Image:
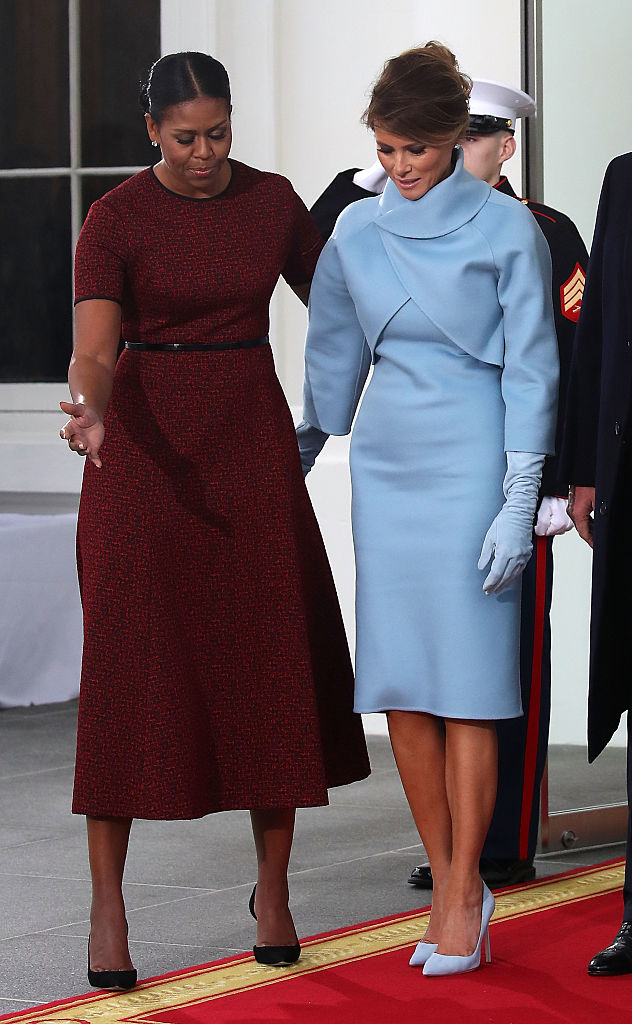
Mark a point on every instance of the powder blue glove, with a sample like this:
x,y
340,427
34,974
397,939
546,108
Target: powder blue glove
x,y
310,444
509,538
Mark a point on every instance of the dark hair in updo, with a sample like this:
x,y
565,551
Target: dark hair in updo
x,y
421,95
180,77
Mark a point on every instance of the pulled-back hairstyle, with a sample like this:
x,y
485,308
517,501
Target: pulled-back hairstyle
x,y
180,77
421,95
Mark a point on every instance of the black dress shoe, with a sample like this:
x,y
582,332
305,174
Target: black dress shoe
x,y
615,958
273,956
421,877
495,873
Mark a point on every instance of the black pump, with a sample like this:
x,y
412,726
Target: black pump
x,y
117,980
273,956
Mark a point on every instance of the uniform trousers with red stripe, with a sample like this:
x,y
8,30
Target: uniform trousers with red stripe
x,y
523,742
627,884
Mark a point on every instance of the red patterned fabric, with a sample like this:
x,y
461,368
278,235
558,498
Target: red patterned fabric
x,y
216,673
196,270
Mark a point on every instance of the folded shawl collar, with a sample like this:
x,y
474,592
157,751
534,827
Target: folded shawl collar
x,y
446,207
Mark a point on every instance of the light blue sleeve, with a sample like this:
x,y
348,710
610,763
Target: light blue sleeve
x,y
530,374
337,357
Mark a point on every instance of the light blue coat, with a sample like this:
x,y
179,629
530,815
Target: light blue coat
x,y
449,297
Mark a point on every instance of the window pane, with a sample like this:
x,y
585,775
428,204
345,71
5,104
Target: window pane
x,y
34,83
35,279
119,42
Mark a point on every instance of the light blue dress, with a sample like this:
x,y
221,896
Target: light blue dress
x,y
449,297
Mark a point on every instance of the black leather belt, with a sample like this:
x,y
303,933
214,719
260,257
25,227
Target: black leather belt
x,y
184,346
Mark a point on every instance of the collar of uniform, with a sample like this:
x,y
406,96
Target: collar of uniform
x,y
504,187
344,181
444,208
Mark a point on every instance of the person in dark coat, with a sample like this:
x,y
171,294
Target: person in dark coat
x,y
509,850
597,461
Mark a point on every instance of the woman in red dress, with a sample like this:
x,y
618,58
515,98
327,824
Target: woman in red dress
x,y
215,672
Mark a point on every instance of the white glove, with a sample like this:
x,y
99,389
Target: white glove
x,y
373,179
553,518
509,538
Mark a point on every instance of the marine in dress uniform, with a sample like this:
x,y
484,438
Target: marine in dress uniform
x,y
510,847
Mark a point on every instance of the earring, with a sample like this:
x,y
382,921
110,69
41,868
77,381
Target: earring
x,y
154,143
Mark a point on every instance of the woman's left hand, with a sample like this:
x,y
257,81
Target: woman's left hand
x,y
509,538
508,542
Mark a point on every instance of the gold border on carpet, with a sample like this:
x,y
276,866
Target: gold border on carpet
x,y
202,984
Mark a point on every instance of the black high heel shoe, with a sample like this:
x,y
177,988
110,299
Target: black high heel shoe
x,y
117,980
273,956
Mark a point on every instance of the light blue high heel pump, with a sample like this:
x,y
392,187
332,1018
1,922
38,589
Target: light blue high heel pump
x,y
439,964
423,952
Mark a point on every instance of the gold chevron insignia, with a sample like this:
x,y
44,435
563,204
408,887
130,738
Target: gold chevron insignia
x,y
571,293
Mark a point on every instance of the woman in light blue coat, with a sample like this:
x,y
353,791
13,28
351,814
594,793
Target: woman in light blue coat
x,y
443,285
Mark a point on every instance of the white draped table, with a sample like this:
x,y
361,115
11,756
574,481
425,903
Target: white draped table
x,y
40,612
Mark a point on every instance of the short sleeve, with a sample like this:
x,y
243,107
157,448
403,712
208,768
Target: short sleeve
x,y
100,256
306,244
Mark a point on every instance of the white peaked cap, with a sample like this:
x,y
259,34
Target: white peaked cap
x,y
500,100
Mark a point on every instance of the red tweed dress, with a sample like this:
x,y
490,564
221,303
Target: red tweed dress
x,y
215,670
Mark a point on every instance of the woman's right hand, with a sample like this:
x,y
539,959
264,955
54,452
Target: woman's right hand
x,y
84,431
310,443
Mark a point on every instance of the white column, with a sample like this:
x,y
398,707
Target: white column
x,y
486,38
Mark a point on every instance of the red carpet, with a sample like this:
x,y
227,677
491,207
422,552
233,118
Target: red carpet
x,y
543,935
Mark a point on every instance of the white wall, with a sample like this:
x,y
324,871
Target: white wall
x,y
587,113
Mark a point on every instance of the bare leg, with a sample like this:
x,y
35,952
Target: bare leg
x,y
107,849
273,831
419,746
471,779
